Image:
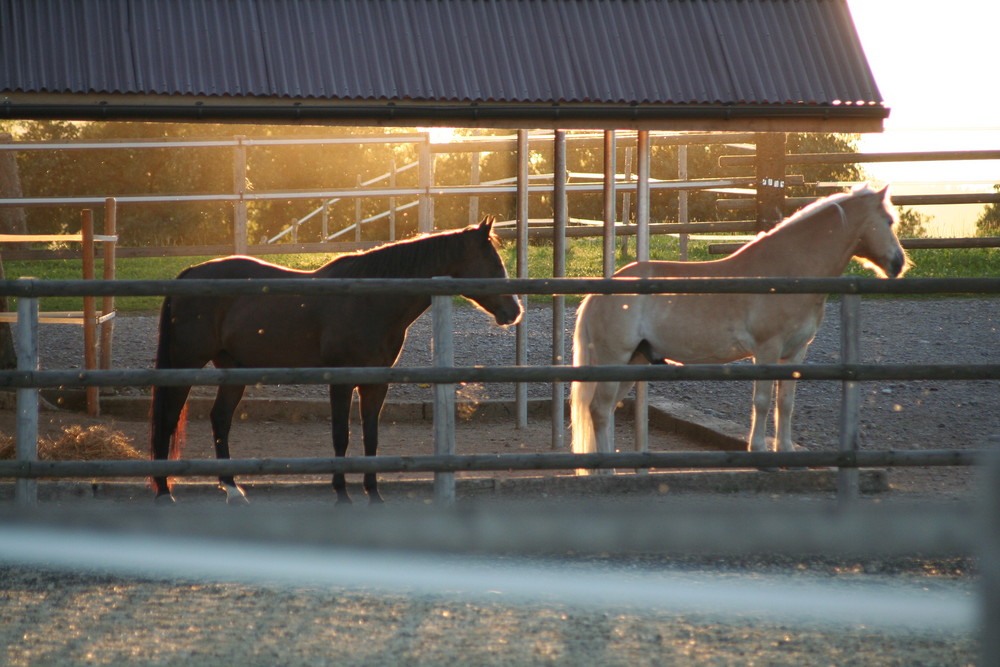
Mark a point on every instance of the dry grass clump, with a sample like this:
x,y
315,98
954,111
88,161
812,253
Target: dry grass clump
x,y
93,443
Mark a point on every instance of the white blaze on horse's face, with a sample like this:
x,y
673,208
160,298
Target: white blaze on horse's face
x,y
878,247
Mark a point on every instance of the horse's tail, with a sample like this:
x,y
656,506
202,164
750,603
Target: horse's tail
x,y
165,438
582,393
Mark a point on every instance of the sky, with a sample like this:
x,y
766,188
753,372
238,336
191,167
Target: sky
x,y
935,65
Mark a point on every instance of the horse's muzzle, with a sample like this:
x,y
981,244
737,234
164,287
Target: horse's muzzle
x,y
510,314
896,265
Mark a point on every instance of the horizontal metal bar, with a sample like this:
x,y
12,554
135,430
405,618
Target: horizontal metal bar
x,y
27,287
451,375
851,158
489,462
381,192
909,244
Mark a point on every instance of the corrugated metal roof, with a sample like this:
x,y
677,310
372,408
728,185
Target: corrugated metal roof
x,y
659,53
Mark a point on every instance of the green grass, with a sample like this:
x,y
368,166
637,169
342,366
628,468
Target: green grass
x,y
134,268
583,260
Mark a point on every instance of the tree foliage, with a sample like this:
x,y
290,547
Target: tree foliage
x,y
988,222
314,167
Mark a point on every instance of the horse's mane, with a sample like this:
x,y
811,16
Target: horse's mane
x,y
399,258
818,206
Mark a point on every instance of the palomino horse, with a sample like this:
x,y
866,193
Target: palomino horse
x,y
311,331
818,241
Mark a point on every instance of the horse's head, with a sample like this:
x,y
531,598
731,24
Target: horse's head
x,y
482,260
878,246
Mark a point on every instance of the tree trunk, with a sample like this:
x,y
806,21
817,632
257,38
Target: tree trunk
x,y
12,221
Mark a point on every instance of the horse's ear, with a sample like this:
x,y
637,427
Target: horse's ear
x,y
885,193
486,224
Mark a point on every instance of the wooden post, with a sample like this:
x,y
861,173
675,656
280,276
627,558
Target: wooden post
x,y
770,179
474,180
325,221
850,402
444,396
559,218
108,303
392,202
26,445
89,311
521,329
357,213
240,188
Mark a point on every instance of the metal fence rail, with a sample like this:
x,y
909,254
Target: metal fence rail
x,y
27,379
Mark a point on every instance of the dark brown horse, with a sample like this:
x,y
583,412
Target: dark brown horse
x,y
311,331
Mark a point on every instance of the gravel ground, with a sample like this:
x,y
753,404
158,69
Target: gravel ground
x,y
55,617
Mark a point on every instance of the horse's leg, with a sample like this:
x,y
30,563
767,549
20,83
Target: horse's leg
x,y
372,398
226,400
763,391
784,406
168,403
340,420
606,397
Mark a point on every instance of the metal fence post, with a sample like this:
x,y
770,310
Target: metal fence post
x,y
850,402
521,331
444,396
641,413
26,446
560,214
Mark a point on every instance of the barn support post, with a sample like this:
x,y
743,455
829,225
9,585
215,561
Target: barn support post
x,y
610,201
850,402
444,396
26,444
240,188
770,179
610,192
559,216
521,329
641,409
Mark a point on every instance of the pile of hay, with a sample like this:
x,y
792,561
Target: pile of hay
x,y
94,443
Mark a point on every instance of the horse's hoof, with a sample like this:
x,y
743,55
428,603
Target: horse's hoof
x,y
375,500
345,501
164,499
235,495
